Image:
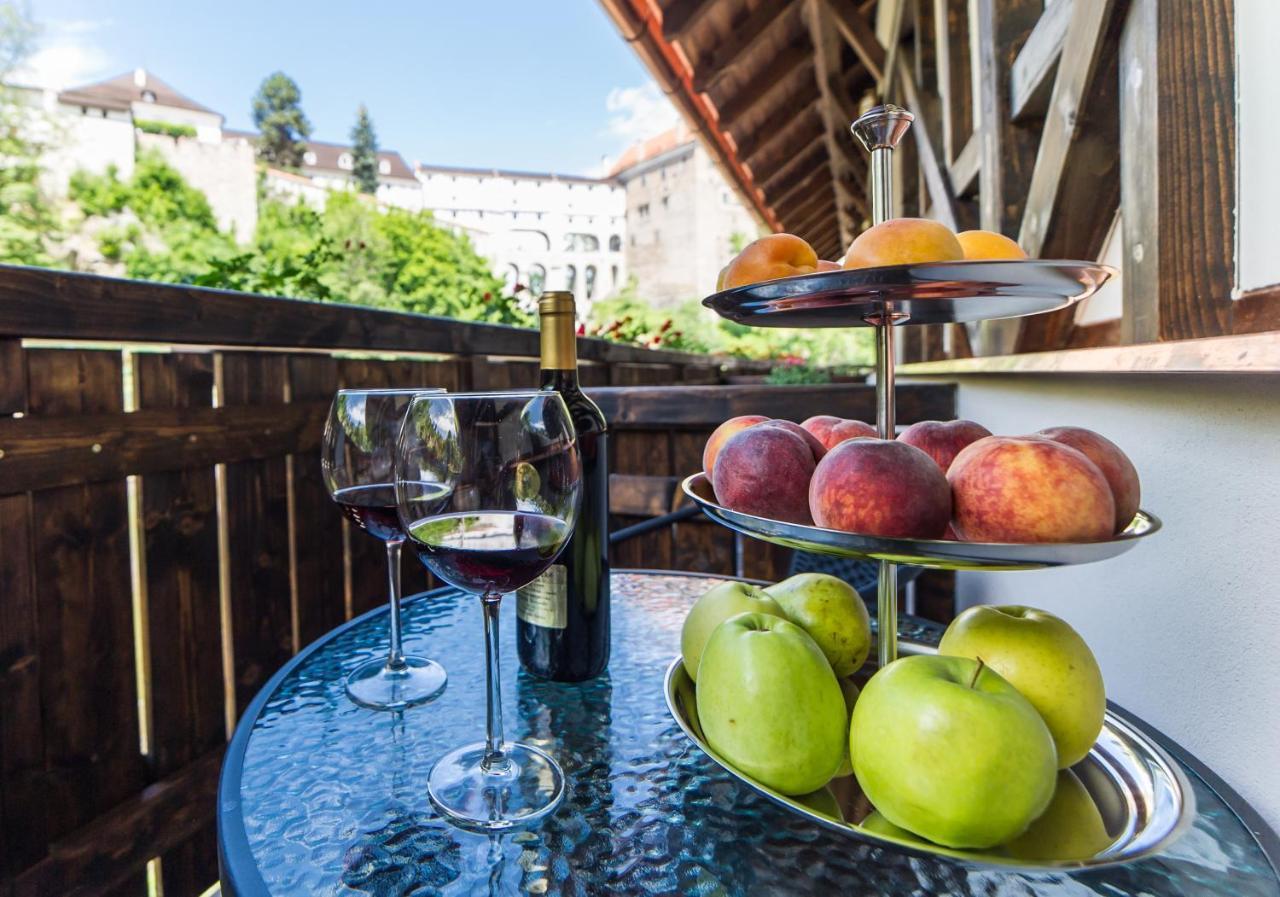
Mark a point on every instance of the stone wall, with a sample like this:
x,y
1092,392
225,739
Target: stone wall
x,y
225,172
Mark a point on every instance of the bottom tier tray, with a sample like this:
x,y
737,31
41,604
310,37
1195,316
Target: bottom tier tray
x,y
942,554
1143,798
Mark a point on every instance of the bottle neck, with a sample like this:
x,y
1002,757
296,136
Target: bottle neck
x,y
559,345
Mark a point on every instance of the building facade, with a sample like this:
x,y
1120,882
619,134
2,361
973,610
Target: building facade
x,y
683,221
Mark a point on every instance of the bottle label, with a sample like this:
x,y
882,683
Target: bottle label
x,y
545,601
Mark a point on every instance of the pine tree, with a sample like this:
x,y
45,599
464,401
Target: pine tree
x,y
283,128
364,152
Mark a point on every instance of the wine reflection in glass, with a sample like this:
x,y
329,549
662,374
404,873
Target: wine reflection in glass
x,y
358,459
510,466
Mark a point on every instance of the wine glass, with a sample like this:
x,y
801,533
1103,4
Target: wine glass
x,y
358,459
510,467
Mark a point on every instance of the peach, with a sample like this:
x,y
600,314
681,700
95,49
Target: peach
x,y
1028,489
820,425
1115,465
985,244
721,433
824,265
765,471
815,445
771,257
903,241
942,440
850,429
880,487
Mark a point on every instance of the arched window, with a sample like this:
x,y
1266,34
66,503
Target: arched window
x,y
615,243
537,280
590,280
581,243
570,278
614,276
531,241
346,162
510,278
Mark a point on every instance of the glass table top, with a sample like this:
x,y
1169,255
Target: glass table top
x,y
320,796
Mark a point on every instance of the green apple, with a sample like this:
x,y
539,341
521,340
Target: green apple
x,y
822,802
1046,660
875,822
1071,828
849,689
769,703
832,612
946,748
715,606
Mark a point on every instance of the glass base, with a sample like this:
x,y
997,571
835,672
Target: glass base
x,y
378,687
526,787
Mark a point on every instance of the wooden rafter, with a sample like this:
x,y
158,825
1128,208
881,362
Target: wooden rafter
x,y
759,87
1031,76
804,205
683,15
775,124
803,131
744,38
826,61
794,169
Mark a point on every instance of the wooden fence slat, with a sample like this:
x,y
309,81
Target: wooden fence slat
x,y
257,525
84,613
698,545
316,530
40,453
180,544
636,452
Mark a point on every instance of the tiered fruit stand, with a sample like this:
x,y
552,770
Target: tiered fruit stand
x,y
1145,801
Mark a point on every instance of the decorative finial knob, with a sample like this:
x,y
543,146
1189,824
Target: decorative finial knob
x,y
882,127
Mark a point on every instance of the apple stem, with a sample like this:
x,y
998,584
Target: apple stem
x,y
977,672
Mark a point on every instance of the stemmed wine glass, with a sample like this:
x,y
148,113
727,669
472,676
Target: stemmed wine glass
x,y
509,463
359,462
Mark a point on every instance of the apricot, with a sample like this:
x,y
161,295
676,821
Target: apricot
x,y
765,471
1028,489
771,257
721,433
903,241
1115,465
880,487
985,244
825,265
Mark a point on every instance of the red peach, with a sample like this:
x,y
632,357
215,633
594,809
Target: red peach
x,y
1115,465
849,429
765,471
820,425
722,433
942,440
1028,489
810,440
880,487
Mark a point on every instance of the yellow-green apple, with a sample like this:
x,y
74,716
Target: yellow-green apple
x,y
849,429
1046,660
849,689
716,605
765,471
1115,465
722,433
942,440
822,802
946,748
875,822
769,258
880,487
815,444
1028,489
769,703
832,612
1071,828
820,426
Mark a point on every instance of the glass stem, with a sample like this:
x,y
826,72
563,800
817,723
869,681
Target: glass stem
x,y
494,759
395,656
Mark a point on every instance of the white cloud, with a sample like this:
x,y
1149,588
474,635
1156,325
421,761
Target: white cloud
x,y
66,55
636,113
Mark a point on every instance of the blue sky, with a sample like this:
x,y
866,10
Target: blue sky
x,y
533,84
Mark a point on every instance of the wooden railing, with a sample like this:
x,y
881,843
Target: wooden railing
x,y
166,541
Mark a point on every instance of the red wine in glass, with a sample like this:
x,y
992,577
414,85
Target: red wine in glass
x,y
373,507
494,550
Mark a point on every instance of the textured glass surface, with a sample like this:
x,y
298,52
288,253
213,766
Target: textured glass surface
x,y
335,802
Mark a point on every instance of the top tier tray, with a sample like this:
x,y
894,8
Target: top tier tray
x,y
932,293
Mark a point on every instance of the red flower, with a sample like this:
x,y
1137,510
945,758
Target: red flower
x,y
666,325
486,297
582,330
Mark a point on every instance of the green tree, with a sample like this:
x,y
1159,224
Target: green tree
x,y
364,152
29,223
281,124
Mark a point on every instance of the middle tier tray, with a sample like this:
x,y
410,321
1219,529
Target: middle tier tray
x,y
939,554
931,293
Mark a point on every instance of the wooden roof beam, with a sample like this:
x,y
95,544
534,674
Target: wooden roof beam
x,y
744,39
804,205
826,60
794,106
684,15
756,90
785,176
804,186
1031,75
801,136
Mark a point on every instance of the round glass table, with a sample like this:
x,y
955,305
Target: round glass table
x,y
319,796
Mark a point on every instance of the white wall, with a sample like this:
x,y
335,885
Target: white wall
x,y
1258,130
225,172
1186,625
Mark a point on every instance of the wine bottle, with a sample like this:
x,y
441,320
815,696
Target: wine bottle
x,y
562,617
